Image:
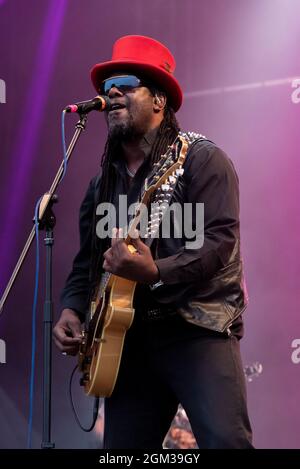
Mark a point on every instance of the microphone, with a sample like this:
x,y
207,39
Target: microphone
x,y
99,103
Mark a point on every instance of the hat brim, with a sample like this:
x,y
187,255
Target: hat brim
x,y
158,76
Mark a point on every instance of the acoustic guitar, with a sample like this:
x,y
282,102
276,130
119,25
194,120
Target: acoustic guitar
x,y
111,311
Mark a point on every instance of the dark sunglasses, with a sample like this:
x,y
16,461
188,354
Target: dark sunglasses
x,y
124,83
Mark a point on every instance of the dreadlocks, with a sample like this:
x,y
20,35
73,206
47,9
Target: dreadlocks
x,y
167,132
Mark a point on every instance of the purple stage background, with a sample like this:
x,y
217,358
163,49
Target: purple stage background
x,y
236,62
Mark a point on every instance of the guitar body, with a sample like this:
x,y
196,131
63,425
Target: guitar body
x,y
100,356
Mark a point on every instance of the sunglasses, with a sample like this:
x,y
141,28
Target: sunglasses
x,y
124,83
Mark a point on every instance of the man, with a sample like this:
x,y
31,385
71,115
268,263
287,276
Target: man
x,y
183,345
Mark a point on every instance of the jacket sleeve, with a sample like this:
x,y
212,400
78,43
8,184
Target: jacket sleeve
x,y
210,178
75,294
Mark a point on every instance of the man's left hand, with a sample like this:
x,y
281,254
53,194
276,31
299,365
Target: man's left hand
x,y
138,266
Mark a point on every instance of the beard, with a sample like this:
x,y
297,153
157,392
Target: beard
x,y
121,129
131,126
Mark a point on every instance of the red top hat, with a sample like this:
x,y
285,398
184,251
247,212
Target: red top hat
x,y
146,56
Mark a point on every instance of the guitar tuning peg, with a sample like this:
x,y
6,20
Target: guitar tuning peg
x,y
165,187
172,179
179,171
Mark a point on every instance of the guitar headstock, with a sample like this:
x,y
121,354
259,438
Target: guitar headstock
x,y
168,168
161,180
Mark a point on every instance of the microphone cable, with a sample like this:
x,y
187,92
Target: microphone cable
x,y
36,288
33,326
64,146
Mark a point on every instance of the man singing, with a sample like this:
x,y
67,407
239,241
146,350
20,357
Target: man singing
x,y
183,344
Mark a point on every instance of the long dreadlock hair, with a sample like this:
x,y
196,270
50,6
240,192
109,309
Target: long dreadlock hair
x,y
167,133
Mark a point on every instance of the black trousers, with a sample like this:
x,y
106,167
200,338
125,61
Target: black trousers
x,y
169,361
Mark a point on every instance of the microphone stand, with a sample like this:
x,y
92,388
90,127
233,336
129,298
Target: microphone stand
x,y
46,220
48,223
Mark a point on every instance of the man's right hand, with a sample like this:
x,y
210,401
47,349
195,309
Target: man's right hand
x,y
67,332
